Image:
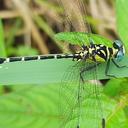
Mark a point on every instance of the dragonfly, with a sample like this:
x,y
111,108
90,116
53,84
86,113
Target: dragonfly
x,y
95,52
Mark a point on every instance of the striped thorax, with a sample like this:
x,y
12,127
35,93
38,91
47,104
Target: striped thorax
x,y
101,53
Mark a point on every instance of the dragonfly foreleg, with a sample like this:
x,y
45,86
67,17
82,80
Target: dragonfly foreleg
x,y
119,66
107,68
87,69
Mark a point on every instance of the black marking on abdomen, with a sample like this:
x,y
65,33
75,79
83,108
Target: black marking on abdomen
x,y
30,58
40,57
65,56
46,57
13,59
2,60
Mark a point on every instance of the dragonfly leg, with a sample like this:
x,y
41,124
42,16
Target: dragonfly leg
x,y
107,68
119,66
87,69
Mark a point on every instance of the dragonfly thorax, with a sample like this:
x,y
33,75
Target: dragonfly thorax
x,y
100,52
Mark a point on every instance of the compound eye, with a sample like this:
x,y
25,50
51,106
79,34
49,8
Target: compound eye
x,y
117,44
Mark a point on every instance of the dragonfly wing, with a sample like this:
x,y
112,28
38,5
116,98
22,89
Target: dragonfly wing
x,y
93,112
79,101
68,95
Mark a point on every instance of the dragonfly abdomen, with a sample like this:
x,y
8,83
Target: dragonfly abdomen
x,y
39,57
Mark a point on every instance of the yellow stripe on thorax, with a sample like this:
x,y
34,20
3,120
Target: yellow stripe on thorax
x,y
114,52
90,50
99,59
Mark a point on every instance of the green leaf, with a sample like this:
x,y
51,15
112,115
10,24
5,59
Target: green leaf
x,y
120,87
32,108
81,38
122,20
52,71
2,46
37,107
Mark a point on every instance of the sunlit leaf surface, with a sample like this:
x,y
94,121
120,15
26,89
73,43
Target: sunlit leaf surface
x,y
81,38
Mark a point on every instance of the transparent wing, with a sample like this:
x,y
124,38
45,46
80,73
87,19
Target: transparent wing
x,y
68,95
93,101
80,104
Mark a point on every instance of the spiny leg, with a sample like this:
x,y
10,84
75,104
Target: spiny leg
x,y
87,69
107,68
119,66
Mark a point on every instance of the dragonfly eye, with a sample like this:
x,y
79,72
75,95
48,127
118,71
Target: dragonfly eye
x,y
121,51
117,44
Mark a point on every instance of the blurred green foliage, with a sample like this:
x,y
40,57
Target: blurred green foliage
x,y
80,38
35,106
122,20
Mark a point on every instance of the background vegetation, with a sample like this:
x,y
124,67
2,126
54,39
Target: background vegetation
x,y
27,27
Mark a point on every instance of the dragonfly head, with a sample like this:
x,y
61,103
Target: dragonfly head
x,y
118,45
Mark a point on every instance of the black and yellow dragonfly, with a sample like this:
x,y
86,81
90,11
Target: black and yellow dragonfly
x,y
94,51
